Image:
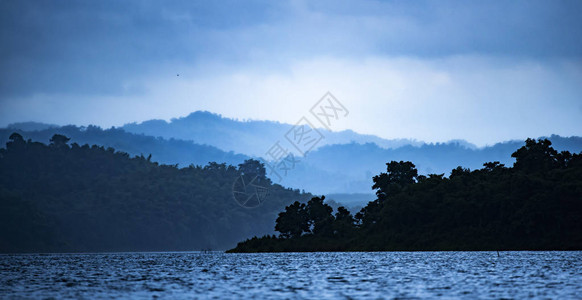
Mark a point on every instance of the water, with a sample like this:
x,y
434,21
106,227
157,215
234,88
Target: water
x,y
467,275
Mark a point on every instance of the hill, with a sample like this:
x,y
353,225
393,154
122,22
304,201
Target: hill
x,y
66,197
252,138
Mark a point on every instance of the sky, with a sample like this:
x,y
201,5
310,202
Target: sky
x,y
483,71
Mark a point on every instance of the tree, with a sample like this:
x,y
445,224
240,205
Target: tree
x,y
16,137
252,167
344,222
253,170
460,171
320,217
399,175
16,142
493,166
535,156
293,221
59,141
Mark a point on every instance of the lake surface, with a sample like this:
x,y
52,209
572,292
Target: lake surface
x,y
293,275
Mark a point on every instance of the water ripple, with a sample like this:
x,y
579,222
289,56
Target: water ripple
x,y
355,275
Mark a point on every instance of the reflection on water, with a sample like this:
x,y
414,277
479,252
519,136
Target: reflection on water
x,y
293,275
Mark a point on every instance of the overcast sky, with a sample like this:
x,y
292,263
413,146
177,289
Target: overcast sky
x,y
437,70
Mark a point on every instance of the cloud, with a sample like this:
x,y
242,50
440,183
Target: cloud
x,y
483,71
89,47
481,99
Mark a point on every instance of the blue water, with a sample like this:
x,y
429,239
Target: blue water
x,y
381,275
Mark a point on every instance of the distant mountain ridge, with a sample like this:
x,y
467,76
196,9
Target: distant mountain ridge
x,y
248,137
344,164
364,160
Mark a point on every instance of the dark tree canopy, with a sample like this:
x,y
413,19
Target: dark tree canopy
x,y
536,156
254,171
534,205
16,137
320,215
399,175
252,167
294,221
59,140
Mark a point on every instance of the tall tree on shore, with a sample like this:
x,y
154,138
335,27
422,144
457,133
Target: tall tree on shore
x,y
293,222
398,176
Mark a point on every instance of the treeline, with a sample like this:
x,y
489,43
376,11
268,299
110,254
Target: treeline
x,y
64,198
534,205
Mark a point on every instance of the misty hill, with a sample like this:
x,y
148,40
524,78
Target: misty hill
x,y
166,151
67,197
248,137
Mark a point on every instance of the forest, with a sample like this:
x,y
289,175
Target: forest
x,y
536,204
64,197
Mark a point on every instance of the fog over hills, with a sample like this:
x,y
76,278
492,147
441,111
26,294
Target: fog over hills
x,y
352,165
248,137
342,163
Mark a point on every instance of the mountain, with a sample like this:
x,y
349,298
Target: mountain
x,y
248,137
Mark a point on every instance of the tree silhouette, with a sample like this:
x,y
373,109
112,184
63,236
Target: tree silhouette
x,y
535,156
344,222
59,141
320,217
293,222
493,166
253,170
16,142
459,171
399,175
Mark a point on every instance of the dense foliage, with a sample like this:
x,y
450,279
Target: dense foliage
x,y
62,197
534,205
